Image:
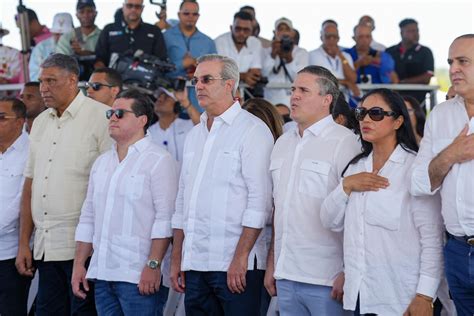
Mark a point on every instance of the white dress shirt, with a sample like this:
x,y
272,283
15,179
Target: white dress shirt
x,y
280,95
172,139
128,204
12,164
304,170
249,56
393,242
443,125
319,57
224,186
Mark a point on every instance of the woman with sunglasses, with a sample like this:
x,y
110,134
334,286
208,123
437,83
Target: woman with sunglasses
x,y
392,241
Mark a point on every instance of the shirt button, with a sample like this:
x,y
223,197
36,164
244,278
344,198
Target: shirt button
x,y
54,143
45,213
46,177
59,127
50,160
46,231
44,195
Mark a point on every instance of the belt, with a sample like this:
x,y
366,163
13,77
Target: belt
x,y
466,239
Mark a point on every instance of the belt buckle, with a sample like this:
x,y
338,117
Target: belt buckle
x,y
470,241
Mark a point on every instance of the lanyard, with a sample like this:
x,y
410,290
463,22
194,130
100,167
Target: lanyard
x,y
335,70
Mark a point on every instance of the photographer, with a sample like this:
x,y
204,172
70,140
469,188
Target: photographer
x,y
282,61
129,34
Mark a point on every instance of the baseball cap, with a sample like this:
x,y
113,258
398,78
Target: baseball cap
x,y
85,3
167,92
62,23
283,21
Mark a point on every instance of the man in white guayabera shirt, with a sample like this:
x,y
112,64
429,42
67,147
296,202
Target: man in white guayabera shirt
x,y
126,217
13,155
445,163
224,200
305,258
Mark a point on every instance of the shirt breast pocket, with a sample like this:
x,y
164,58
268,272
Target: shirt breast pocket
x,y
314,176
133,186
384,209
275,169
226,164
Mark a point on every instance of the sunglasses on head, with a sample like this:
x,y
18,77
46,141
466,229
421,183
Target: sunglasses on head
x,y
4,116
119,113
375,113
96,86
186,13
204,79
133,6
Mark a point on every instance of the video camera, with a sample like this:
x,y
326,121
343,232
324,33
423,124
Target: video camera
x,y
140,70
286,44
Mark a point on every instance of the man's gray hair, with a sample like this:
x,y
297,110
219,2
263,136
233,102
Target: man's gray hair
x,y
230,70
61,61
327,82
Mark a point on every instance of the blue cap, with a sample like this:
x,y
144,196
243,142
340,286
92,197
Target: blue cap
x,y
85,3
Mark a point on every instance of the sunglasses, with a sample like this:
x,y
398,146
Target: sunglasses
x,y
204,79
96,86
133,6
375,113
4,116
186,13
119,113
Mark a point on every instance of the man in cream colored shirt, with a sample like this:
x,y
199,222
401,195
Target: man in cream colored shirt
x,y
306,164
64,142
224,200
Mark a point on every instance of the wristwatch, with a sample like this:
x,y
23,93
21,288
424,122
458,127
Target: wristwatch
x,y
153,264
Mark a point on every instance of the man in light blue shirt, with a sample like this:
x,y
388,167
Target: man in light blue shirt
x,y
185,43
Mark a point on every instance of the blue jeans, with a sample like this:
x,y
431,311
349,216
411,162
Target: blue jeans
x,y
207,294
300,299
55,292
13,290
123,298
459,263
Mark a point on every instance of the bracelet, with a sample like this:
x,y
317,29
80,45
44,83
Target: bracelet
x,y
426,299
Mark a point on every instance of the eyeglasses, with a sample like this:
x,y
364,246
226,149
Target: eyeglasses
x,y
97,85
239,29
119,113
375,113
133,6
187,13
204,79
4,116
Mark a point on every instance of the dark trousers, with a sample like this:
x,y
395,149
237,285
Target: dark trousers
x,y
14,290
55,292
207,294
459,264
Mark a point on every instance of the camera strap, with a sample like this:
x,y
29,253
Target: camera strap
x,y
283,65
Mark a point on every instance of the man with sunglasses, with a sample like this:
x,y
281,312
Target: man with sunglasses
x,y
104,85
129,35
185,43
126,217
13,155
445,164
245,49
305,258
224,200
64,142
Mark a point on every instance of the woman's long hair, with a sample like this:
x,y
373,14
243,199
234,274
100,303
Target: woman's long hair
x,y
419,114
404,135
265,111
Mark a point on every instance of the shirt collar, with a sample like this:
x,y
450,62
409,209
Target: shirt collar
x,y
73,107
399,155
318,128
21,142
227,117
139,146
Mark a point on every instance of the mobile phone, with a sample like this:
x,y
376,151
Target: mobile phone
x,y
179,84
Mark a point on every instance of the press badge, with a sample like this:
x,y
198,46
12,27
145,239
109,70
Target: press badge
x,y
115,33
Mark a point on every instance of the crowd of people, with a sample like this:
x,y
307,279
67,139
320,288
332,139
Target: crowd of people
x,y
196,199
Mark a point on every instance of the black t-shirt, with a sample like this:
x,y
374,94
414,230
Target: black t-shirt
x,y
413,62
118,38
